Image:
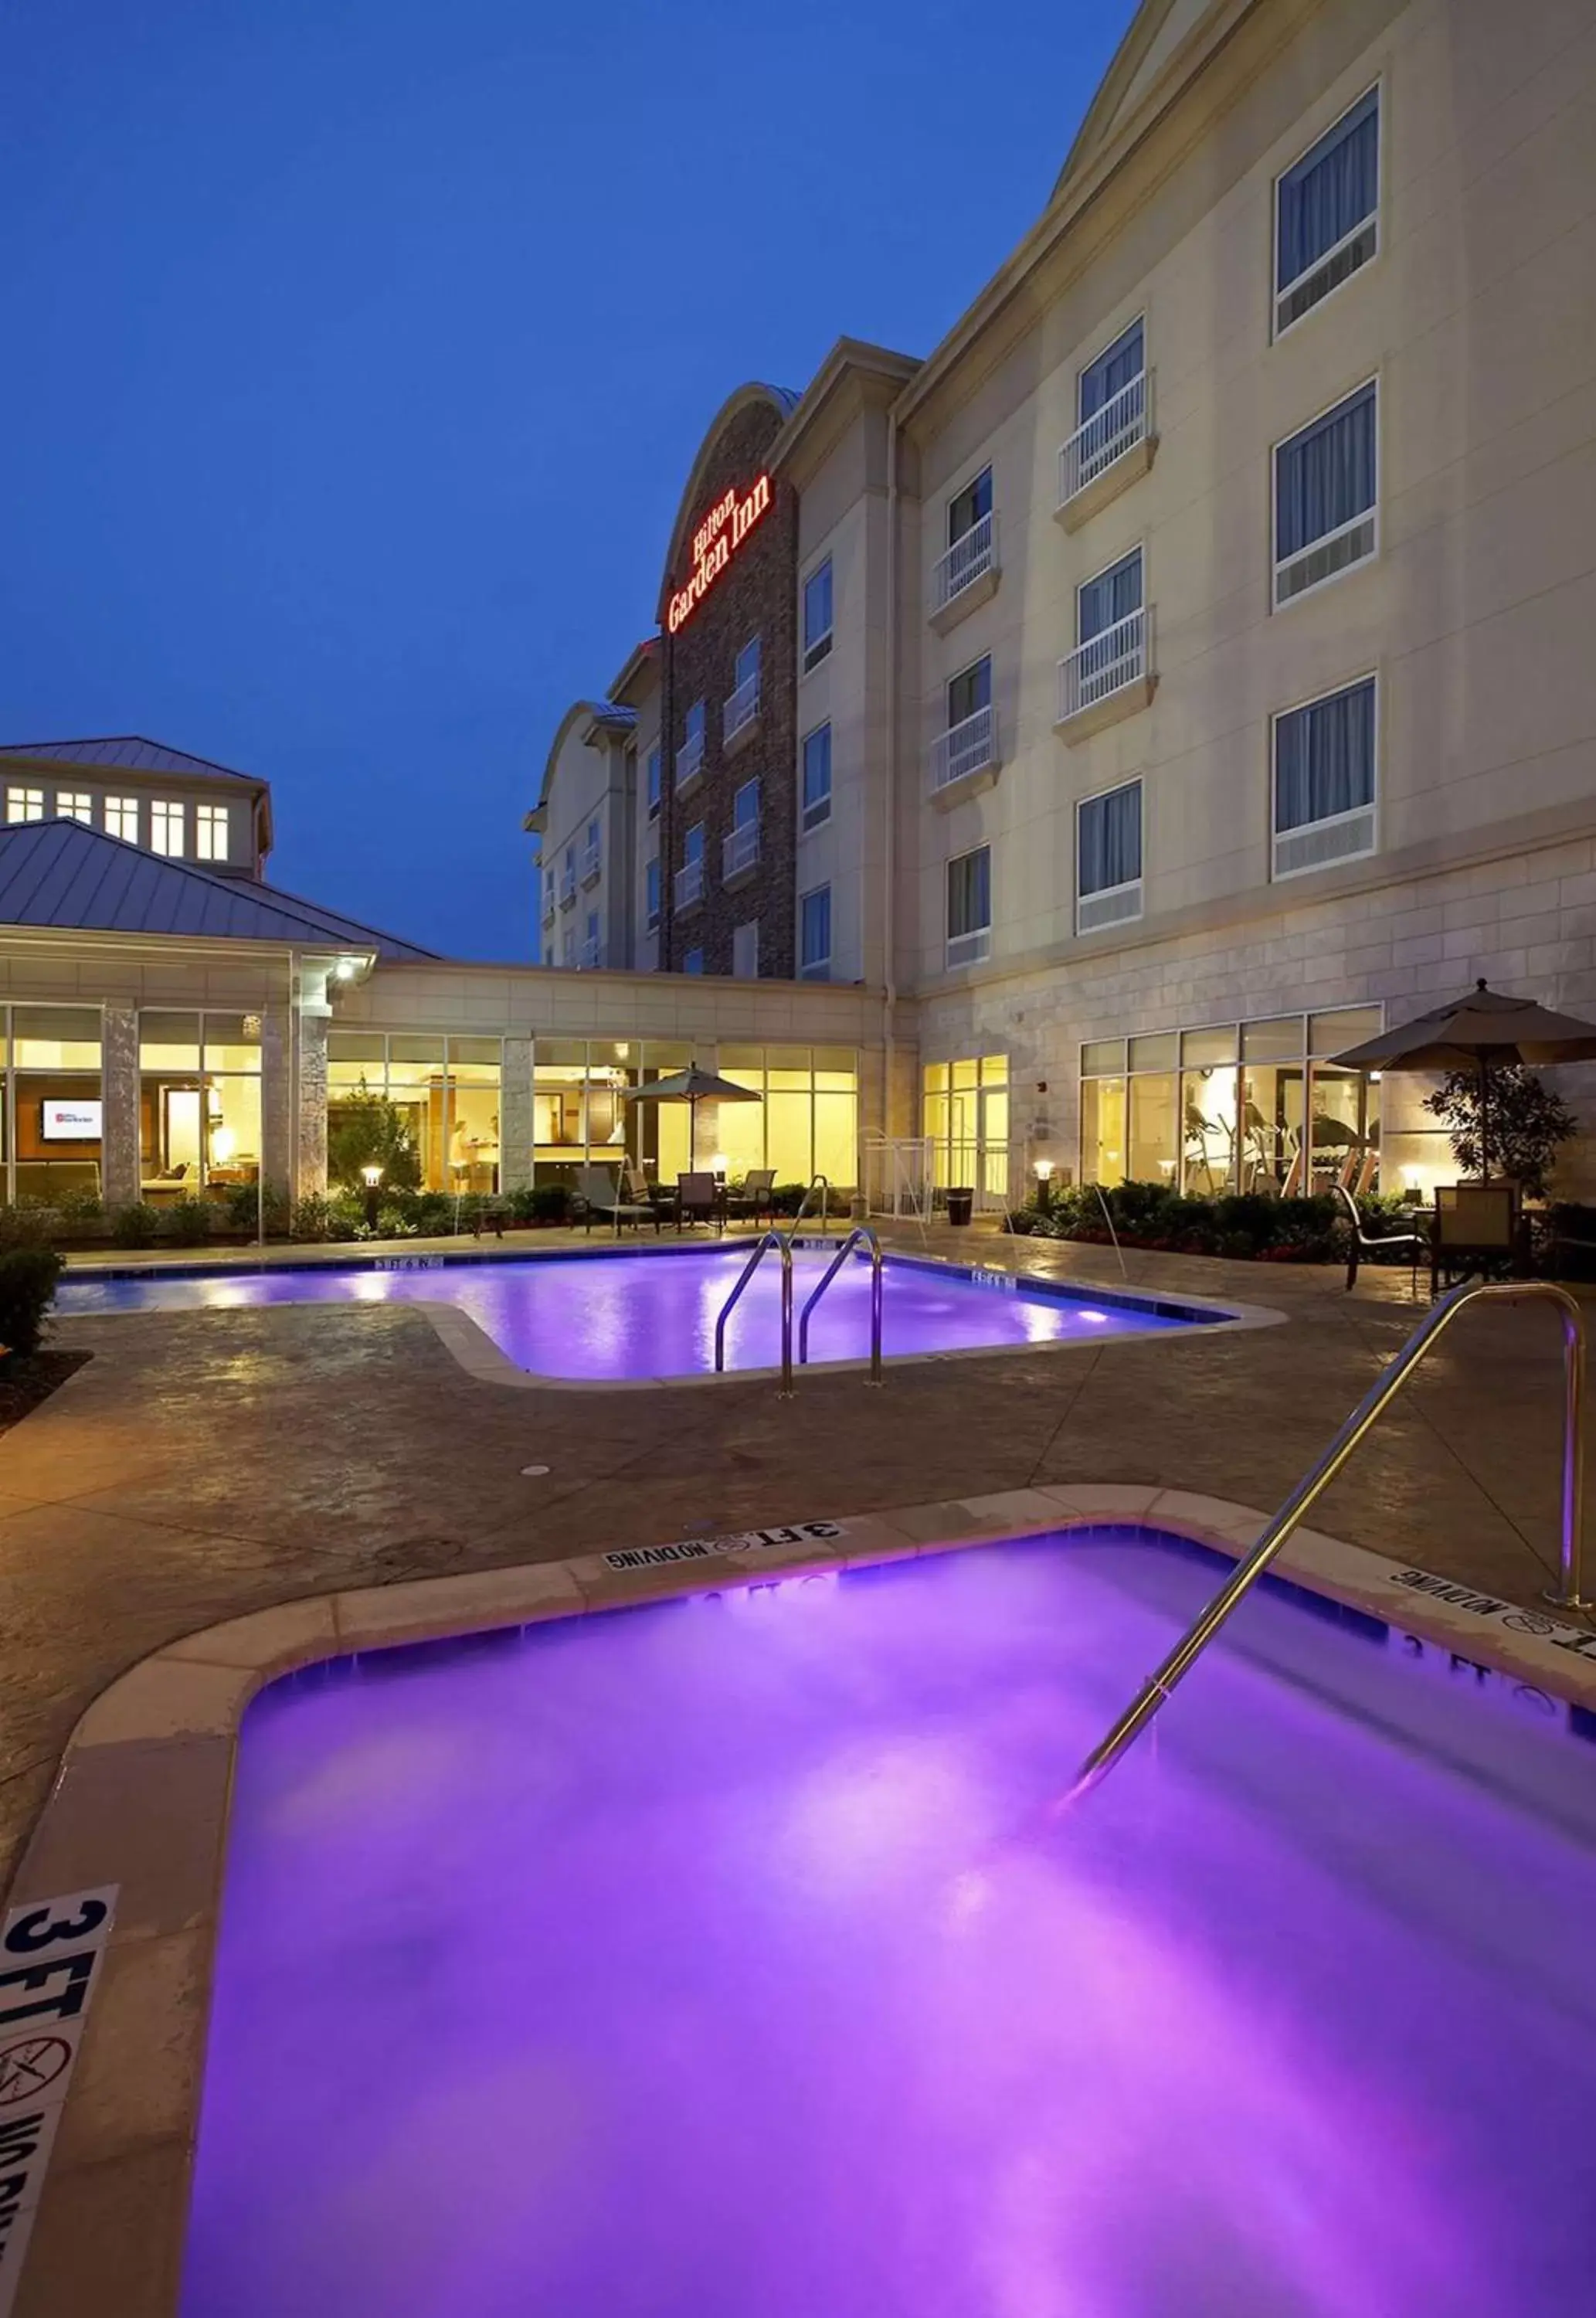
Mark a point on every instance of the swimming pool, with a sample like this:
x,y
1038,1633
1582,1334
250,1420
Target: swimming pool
x,y
607,1318
719,1956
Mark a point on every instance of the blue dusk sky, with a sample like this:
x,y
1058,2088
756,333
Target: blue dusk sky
x,y
356,352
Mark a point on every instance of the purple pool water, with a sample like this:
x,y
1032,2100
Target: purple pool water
x,y
708,1960
608,1317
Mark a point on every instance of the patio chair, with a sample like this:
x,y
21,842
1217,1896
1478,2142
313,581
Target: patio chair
x,y
1475,1225
598,1195
757,1195
635,1186
1362,1242
699,1200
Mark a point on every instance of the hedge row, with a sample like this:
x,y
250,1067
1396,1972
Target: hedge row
x,y
1247,1225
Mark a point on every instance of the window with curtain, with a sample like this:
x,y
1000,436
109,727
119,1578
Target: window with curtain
x,y
968,692
1324,477
1112,371
1108,840
1325,758
969,905
1112,596
817,777
1327,195
745,951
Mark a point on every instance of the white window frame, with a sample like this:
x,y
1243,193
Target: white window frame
x,y
816,816
208,818
1277,605
1136,886
76,805
165,813
817,969
969,483
22,804
115,810
1309,700
811,653
975,944
1278,330
654,778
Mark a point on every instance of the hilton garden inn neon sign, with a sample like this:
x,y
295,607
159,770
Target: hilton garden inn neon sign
x,y
714,542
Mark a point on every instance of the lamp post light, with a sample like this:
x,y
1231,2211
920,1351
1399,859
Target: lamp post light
x,y
372,1177
1043,1171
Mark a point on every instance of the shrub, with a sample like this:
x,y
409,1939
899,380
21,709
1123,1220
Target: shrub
x,y
1242,1226
313,1218
26,1226
137,1225
191,1220
1524,1125
28,1276
365,1130
393,1223
84,1206
540,1203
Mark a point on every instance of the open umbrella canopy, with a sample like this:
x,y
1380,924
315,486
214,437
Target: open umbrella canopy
x,y
1482,1027
693,1086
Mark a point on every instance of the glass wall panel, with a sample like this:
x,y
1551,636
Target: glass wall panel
x,y
168,1042
1102,1131
1160,1053
1346,1135
1208,1128
1271,1130
1349,1026
1153,1146
56,1095
471,1090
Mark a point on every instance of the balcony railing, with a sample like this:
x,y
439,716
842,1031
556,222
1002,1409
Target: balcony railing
x,y
689,885
590,865
741,849
567,888
690,761
741,707
1116,657
968,559
591,954
968,747
1106,435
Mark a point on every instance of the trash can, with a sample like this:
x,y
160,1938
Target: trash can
x,y
960,1205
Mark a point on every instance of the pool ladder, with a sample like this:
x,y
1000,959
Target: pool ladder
x,y
783,1243
1157,1688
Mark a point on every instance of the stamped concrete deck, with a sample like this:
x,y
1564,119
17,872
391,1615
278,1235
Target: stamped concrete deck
x,y
208,1464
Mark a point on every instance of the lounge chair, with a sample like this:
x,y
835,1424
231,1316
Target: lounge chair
x,y
699,1200
1362,1243
635,1186
596,1190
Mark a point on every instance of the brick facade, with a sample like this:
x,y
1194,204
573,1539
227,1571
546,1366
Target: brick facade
x,y
756,595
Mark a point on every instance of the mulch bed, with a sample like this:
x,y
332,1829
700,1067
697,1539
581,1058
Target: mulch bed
x,y
23,1384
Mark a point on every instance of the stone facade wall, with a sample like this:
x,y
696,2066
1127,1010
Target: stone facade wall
x,y
310,1162
515,1116
756,595
119,1088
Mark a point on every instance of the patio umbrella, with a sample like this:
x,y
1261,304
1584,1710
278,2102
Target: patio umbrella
x,y
1473,1032
693,1086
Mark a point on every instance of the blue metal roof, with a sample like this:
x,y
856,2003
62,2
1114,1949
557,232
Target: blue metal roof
x,y
128,750
63,874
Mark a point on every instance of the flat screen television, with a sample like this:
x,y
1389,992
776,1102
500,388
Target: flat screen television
x,y
69,1122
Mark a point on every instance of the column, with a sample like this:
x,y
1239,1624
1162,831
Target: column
x,y
277,1102
315,1012
119,1091
515,1116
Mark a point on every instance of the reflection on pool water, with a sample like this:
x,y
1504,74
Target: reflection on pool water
x,y
618,1317
719,1956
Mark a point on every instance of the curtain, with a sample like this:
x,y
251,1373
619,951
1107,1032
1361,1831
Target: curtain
x,y
1110,841
1325,758
1112,596
969,893
1325,476
1332,188
1111,373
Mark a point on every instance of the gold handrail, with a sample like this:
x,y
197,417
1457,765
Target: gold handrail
x,y
1157,1688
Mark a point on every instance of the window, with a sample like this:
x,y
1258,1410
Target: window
x,y
970,692
969,506
591,855
651,893
743,703
74,804
816,801
590,943
1326,212
1324,780
1112,373
693,843
970,907
1113,596
567,878
748,664
817,616
745,951
568,947
1109,859
814,935
964,1118
122,819
210,832
741,849
692,729
165,827
654,784
690,756
689,877
24,804
1324,496
693,963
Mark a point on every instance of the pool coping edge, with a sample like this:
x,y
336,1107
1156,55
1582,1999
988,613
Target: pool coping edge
x,y
142,1796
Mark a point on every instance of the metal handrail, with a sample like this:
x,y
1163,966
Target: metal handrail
x,y
782,1245
1157,1688
825,1183
1114,1236
860,1232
